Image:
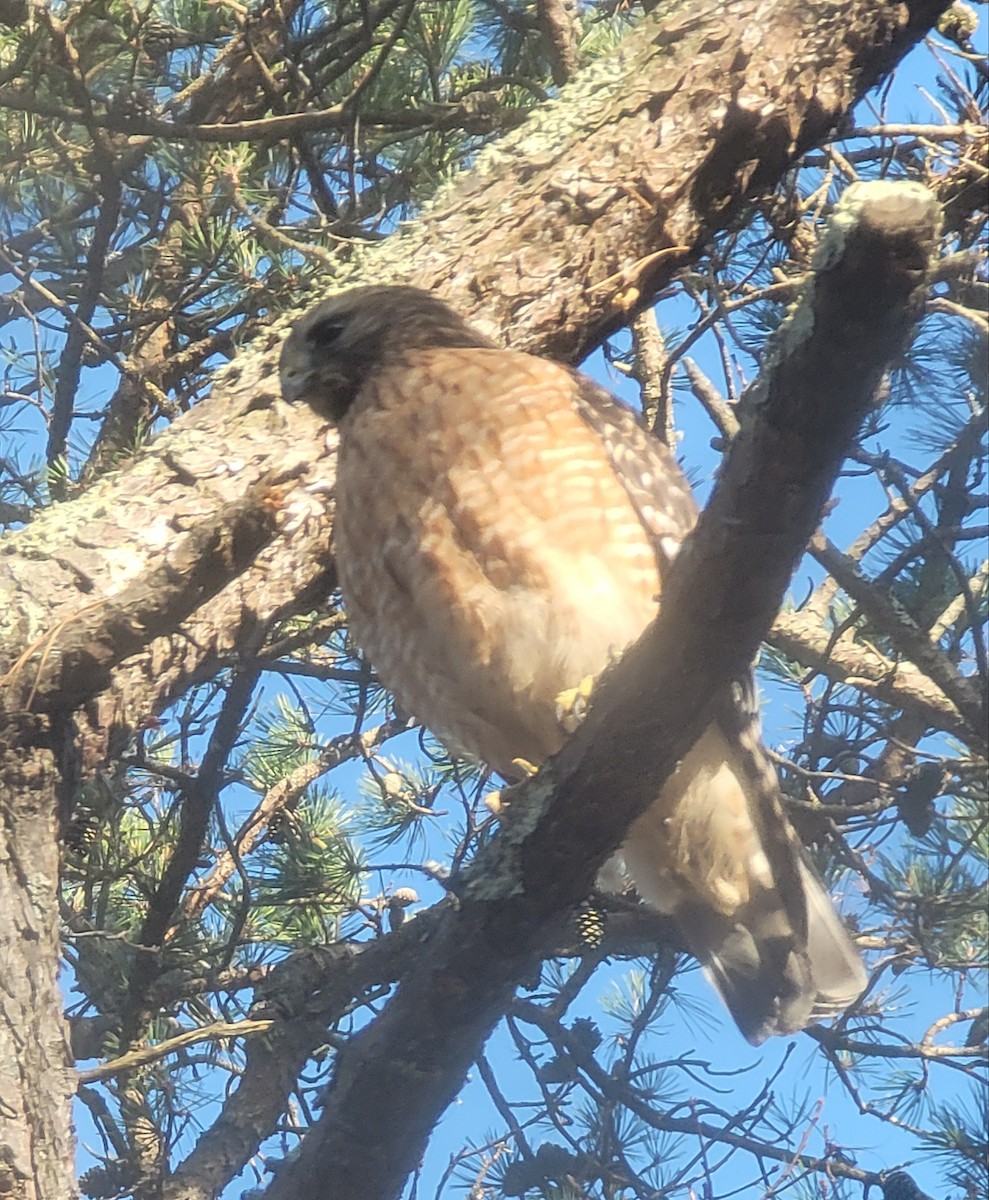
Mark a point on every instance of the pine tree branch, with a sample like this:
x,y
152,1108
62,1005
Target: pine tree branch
x,y
197,804
804,638
962,450
624,1095
74,660
282,795
907,636
558,22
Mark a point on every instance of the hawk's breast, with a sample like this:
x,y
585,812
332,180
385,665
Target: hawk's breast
x,y
488,554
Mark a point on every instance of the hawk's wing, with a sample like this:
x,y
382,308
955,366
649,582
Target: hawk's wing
x,y
779,956
646,469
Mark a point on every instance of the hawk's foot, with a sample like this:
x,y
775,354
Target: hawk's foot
x,y
500,802
572,703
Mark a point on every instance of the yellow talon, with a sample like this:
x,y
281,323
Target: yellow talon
x,y
572,704
500,801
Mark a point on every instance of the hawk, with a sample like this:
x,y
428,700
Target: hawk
x,y
503,526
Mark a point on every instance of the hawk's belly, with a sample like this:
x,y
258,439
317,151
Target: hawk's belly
x,y
489,557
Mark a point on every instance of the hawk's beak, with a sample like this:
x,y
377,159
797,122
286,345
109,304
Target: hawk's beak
x,y
295,379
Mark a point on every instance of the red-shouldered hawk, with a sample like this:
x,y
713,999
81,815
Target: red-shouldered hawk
x,y
503,527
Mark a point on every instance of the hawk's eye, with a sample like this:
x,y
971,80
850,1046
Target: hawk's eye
x,y
325,332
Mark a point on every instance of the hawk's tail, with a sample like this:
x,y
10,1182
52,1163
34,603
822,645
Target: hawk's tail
x,y
773,980
718,853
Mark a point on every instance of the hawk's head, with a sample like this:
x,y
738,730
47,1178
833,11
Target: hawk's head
x,y
334,348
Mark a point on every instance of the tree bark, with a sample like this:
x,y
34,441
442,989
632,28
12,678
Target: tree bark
x,y
36,1080
554,239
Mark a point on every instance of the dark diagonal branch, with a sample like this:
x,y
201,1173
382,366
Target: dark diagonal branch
x,y
720,600
198,803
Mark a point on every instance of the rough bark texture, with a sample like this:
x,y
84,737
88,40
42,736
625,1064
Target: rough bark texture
x,y
723,591
36,1152
551,241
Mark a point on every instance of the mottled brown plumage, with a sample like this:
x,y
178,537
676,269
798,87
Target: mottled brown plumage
x,y
502,529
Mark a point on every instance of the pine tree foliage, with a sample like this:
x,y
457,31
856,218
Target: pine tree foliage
x,y
141,243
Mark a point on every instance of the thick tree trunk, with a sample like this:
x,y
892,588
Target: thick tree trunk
x,y
553,240
36,1152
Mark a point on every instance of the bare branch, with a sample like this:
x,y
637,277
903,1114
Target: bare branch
x,y
904,632
558,22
